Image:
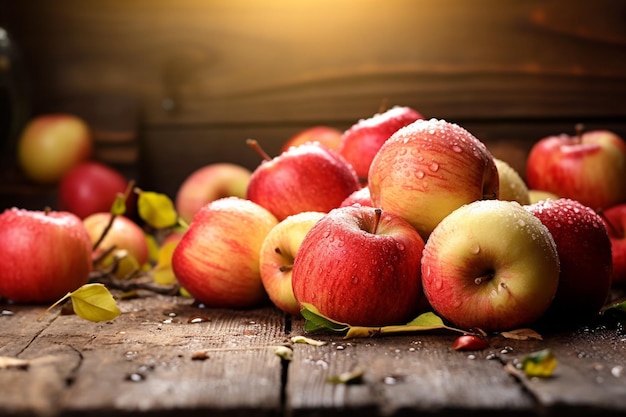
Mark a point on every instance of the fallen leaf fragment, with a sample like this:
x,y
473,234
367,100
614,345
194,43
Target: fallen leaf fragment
x,y
522,334
7,362
307,340
539,364
351,377
284,352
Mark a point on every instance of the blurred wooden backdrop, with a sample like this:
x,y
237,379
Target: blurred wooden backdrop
x,y
174,85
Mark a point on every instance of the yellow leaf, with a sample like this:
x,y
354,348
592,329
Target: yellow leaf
x,y
163,276
153,248
94,302
157,209
118,208
165,254
539,364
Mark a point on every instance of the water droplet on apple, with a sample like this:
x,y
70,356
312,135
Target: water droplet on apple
x,y
475,249
434,167
327,233
420,174
355,279
400,245
457,148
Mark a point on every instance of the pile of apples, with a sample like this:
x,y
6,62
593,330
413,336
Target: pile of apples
x,y
395,216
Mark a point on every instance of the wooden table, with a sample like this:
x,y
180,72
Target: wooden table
x,y
155,360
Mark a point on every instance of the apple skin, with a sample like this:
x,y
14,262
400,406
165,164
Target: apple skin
x,y
325,135
44,255
428,169
92,187
209,183
477,278
584,249
51,144
308,177
614,219
511,185
277,255
217,259
589,168
124,234
361,197
536,196
362,141
360,265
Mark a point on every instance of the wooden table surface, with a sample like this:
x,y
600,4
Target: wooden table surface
x,y
156,360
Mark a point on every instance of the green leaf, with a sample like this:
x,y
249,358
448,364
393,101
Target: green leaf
x,y
619,307
315,321
157,209
539,364
94,302
118,208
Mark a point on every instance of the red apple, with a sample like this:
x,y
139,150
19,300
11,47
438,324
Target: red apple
x,y
211,182
589,167
361,197
360,265
124,235
217,260
584,252
44,255
308,177
360,143
615,220
277,255
491,265
51,144
325,135
91,187
428,169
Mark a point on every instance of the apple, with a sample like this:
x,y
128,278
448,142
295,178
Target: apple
x,y
360,265
428,169
512,187
208,183
217,259
44,255
360,143
277,255
51,144
589,167
361,197
490,264
614,219
124,234
536,196
326,136
584,249
92,187
308,177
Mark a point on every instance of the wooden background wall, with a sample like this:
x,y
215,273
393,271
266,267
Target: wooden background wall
x,y
190,80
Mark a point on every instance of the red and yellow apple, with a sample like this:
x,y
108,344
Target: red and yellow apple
x,y
217,259
361,197
44,255
209,183
511,185
51,144
360,265
490,264
277,256
325,135
428,169
589,167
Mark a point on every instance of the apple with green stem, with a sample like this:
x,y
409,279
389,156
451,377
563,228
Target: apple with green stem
x,y
45,254
589,167
308,177
217,259
476,278
209,183
428,169
584,249
360,265
277,256
614,219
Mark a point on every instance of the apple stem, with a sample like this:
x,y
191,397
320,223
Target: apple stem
x,y
285,268
383,105
255,145
379,213
580,128
480,280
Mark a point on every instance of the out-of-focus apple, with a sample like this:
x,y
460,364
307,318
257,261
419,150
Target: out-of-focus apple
x,y
277,255
44,255
476,278
217,260
428,169
92,187
589,167
209,183
308,177
51,144
360,143
360,265
325,135
584,252
361,197
536,196
124,234
615,221
512,186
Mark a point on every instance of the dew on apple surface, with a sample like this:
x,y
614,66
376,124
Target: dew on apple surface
x,y
434,166
457,148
